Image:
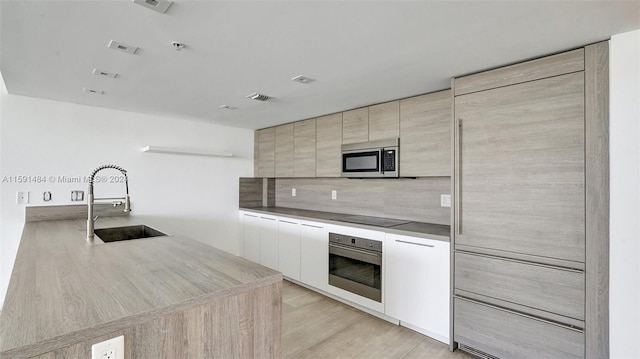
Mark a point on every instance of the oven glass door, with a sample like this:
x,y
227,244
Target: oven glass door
x,y
358,162
356,270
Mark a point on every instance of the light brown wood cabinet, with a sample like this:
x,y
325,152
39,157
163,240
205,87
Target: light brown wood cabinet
x,y
355,125
328,145
304,148
384,121
529,202
284,150
425,135
265,144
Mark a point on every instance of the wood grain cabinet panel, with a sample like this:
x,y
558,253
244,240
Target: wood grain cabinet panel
x,y
355,125
507,334
559,64
425,135
384,121
521,168
304,148
284,151
328,142
545,288
266,152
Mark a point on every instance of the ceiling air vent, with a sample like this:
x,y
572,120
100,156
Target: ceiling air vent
x,y
97,92
122,47
160,6
104,73
258,97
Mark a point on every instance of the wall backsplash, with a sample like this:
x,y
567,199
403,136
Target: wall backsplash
x,y
413,199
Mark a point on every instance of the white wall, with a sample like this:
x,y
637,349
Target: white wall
x,y
192,196
624,300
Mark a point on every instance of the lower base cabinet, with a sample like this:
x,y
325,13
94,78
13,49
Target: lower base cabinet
x,y
260,239
289,248
314,254
251,237
418,283
507,334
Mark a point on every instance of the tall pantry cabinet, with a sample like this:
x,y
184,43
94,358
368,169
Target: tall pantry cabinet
x,y
530,215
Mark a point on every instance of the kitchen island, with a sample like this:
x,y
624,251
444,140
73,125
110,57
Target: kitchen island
x,y
170,297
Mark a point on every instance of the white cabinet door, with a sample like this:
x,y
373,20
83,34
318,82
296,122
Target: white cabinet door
x,y
289,247
314,254
251,237
417,283
269,242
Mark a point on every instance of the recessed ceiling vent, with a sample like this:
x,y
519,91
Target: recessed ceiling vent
x,y
97,92
303,79
104,73
258,97
122,47
160,6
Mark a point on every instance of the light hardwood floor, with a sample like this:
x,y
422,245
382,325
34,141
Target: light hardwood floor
x,y
316,327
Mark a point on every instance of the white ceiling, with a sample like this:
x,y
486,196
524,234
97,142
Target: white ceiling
x,y
360,52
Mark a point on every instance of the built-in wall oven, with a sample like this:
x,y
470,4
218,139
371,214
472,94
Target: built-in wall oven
x,y
355,265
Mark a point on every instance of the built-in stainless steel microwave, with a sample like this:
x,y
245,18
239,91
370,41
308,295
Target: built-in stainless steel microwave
x,y
371,159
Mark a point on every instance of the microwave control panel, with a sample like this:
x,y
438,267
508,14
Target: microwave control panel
x,y
389,160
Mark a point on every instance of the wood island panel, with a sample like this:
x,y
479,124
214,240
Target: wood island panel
x,y
65,295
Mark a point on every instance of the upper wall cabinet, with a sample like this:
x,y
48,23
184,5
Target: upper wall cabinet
x,y
304,148
355,125
328,145
284,150
265,142
425,135
384,121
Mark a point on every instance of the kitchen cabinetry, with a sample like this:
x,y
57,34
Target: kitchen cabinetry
x,y
260,239
425,135
314,254
418,283
251,237
304,148
266,142
524,215
355,125
284,150
269,242
289,247
384,121
328,145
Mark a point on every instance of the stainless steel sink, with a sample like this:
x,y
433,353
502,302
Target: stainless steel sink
x,y
115,234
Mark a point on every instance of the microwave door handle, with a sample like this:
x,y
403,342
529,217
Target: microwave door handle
x,y
382,160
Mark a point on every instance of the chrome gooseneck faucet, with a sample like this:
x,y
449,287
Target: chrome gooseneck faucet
x,y
90,199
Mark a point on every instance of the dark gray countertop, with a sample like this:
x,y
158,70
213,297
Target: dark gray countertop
x,y
416,229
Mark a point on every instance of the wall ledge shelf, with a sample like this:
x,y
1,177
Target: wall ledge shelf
x,y
185,152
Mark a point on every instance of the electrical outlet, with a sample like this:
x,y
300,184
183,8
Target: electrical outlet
x,y
22,197
445,200
109,349
293,192
334,194
77,196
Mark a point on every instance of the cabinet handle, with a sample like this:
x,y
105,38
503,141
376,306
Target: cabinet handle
x,y
250,215
288,222
271,219
458,177
417,244
308,225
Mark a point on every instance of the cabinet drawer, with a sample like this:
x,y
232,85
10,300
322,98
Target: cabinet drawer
x,y
541,287
506,334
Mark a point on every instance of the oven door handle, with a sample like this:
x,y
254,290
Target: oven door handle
x,y
354,253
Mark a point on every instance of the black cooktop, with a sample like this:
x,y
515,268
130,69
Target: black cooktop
x,y
372,221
